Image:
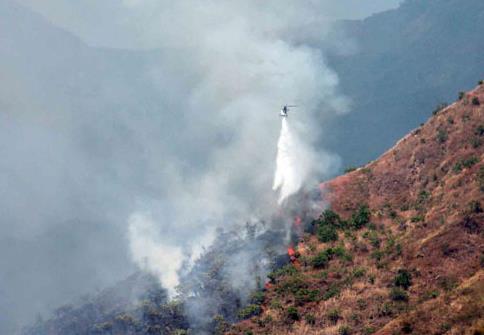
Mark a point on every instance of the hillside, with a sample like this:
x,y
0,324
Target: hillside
x,y
401,249
404,62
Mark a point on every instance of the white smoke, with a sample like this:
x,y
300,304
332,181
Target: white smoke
x,y
150,254
226,68
294,163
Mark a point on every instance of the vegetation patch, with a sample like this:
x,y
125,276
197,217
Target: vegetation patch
x,y
249,311
398,294
403,278
439,108
442,135
361,218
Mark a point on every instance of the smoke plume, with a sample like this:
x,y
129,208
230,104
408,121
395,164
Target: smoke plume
x,y
232,67
114,159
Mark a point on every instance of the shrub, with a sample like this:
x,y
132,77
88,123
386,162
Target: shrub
x,y
417,218
257,298
361,303
423,196
385,310
327,233
304,295
480,178
350,169
431,295
480,82
320,260
377,255
475,101
292,285
361,217
403,278
249,311
287,270
333,315
292,313
340,252
359,272
407,327
369,330
374,239
462,95
457,167
479,130
398,294
330,218
469,162
310,319
439,108
344,330
475,207
332,291
442,136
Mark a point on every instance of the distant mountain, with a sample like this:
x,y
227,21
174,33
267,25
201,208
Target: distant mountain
x,y
401,251
407,61
56,95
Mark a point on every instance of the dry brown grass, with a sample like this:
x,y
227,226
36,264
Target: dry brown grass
x,y
416,179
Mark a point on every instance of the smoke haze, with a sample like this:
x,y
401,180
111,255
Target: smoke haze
x,y
116,159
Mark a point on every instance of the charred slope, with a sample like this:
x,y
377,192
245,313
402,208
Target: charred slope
x,y
402,248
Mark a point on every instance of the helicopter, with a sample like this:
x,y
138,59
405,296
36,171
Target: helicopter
x,y
285,110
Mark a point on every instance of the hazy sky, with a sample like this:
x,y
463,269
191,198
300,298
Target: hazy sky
x,y
128,23
112,158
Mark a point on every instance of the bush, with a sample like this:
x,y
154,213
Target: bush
x,y
350,169
332,291
403,278
304,296
398,294
250,311
292,313
292,285
369,330
333,315
257,298
417,218
321,260
439,108
475,206
327,233
470,162
361,217
407,328
462,95
359,272
287,270
331,218
344,330
475,101
480,178
442,136
310,319
374,239
479,130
